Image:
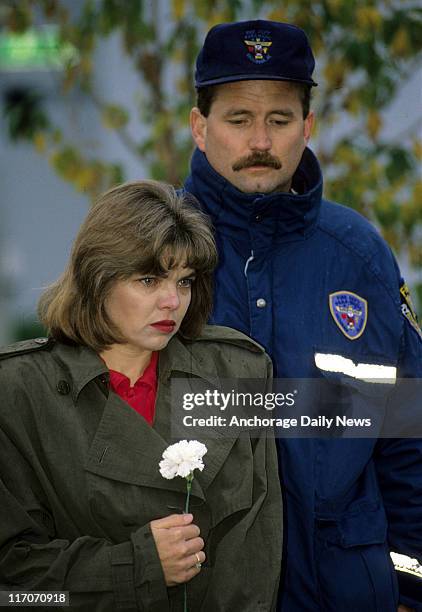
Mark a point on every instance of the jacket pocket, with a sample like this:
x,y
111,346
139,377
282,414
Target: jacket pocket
x,y
355,571
355,392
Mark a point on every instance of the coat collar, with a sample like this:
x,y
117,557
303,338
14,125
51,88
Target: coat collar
x,y
282,216
125,447
84,365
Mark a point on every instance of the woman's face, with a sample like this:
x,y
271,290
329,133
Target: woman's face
x,y
148,309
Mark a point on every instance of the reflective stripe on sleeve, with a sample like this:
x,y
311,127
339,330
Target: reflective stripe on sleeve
x,y
364,371
402,563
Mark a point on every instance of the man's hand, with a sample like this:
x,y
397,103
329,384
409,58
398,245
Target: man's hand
x,y
179,547
403,608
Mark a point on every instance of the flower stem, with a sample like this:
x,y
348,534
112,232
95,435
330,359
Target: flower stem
x,y
188,490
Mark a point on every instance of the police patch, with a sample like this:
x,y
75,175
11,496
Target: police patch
x,y
408,309
350,312
258,43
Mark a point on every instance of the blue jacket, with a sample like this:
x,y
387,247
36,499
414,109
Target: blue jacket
x,y
348,502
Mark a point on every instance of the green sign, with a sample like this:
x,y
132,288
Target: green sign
x,y
35,49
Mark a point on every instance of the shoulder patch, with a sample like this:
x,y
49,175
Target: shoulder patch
x,y
228,335
350,313
25,346
408,309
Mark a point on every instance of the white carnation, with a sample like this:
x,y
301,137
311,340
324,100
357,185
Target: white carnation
x,y
182,458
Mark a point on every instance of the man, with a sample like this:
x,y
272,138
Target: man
x,y
314,283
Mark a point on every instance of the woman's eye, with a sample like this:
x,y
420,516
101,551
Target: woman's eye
x,y
147,281
186,282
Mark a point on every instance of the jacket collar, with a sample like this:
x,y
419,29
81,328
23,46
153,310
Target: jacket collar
x,y
278,216
83,364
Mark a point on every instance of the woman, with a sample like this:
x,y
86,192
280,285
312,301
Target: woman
x,y
85,419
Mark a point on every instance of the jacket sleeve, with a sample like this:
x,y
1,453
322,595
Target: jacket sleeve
x,y
100,575
399,466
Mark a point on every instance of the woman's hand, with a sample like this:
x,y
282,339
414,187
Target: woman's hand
x,y
179,547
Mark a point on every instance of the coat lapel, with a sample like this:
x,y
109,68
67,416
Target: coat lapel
x,y
127,449
177,361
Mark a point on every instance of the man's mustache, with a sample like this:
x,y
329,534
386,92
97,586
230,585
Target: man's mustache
x,y
257,159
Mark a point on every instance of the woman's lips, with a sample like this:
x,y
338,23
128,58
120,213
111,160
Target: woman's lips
x,y
166,326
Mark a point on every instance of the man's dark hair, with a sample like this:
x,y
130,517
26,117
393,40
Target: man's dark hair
x,y
206,96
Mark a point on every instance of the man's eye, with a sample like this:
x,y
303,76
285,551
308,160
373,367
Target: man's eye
x,y
236,121
279,122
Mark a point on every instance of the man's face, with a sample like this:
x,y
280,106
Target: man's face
x,y
254,135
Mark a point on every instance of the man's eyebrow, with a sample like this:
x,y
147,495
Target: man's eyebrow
x,y
285,112
237,111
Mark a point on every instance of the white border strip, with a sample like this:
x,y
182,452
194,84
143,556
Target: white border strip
x,y
363,371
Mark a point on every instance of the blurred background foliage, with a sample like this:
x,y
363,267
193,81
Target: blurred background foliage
x,y
364,50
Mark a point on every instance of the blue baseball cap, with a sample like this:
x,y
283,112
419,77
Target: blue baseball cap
x,y
254,50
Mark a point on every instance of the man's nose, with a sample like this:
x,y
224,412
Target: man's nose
x,y
260,139
169,298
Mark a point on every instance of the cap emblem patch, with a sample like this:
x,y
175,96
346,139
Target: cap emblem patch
x,y
350,312
258,43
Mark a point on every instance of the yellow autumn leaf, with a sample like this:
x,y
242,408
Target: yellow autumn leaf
x,y
278,14
334,5
40,142
178,7
417,195
415,254
182,86
86,179
86,65
178,54
391,236
114,117
353,103
335,71
373,124
368,17
401,43
218,17
417,149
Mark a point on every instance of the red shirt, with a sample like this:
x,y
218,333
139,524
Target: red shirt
x,y
143,393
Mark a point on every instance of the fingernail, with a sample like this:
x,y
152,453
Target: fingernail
x,y
187,517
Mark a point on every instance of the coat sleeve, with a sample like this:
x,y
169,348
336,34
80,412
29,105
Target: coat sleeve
x,y
399,466
100,575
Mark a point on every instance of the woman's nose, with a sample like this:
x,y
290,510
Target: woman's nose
x,y
170,298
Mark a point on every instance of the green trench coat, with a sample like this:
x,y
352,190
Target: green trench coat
x,y
80,484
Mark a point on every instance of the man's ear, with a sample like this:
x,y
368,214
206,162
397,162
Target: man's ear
x,y
198,126
307,129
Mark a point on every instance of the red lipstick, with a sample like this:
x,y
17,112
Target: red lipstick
x,y
167,326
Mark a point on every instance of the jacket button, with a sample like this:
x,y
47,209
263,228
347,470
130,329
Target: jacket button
x,y
261,303
63,387
41,340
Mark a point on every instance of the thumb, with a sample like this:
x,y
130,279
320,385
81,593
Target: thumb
x,y
173,520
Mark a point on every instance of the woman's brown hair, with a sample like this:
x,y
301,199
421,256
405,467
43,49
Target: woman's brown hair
x,y
140,227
